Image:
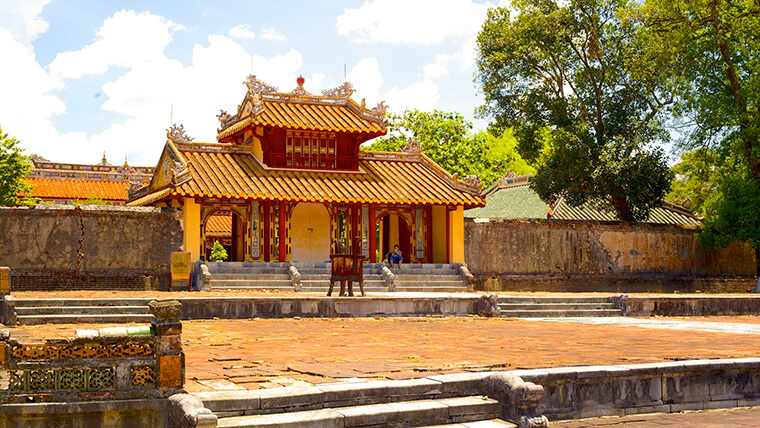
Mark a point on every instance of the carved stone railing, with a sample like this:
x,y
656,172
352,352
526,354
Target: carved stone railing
x,y
98,367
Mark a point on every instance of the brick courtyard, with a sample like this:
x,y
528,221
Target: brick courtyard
x,y
266,353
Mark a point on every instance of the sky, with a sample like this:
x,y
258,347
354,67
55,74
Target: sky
x,y
82,77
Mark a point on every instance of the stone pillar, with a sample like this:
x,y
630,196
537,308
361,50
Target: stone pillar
x,y
168,329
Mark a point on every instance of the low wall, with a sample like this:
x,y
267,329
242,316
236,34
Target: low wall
x,y
288,307
554,255
55,247
692,306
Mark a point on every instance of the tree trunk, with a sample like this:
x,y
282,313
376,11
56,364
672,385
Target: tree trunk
x,y
757,270
621,208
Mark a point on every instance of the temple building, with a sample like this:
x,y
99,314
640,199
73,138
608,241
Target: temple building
x,y
288,176
69,184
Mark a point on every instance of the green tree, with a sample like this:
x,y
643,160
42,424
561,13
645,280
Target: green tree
x,y
696,178
218,252
447,139
716,45
14,167
732,211
93,200
578,72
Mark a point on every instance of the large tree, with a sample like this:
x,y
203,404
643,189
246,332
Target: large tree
x,y
579,70
14,167
716,44
447,139
696,178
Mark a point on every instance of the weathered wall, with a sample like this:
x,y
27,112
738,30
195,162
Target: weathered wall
x,y
93,247
534,255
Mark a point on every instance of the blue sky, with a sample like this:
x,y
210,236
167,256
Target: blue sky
x,y
90,76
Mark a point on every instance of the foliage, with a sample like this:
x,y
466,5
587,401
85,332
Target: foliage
x,y
732,210
14,167
714,53
447,139
218,252
696,176
576,75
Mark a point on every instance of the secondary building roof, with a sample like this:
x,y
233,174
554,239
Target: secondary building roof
x,y
513,198
77,189
227,171
332,111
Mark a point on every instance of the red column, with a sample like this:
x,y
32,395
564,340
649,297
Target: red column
x,y
283,243
429,232
372,235
448,236
267,230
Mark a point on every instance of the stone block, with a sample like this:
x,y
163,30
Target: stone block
x,y
686,407
681,388
461,383
164,309
748,402
171,373
230,401
720,404
595,394
166,327
634,391
5,280
601,412
665,408
283,398
379,391
171,342
732,384
375,414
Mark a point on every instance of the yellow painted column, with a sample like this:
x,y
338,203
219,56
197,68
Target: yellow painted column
x,y
439,233
191,223
456,226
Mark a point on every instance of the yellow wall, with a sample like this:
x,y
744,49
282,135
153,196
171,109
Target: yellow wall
x,y
191,223
310,246
393,235
439,234
457,235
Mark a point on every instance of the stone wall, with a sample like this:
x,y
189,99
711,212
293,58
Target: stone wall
x,y
54,247
552,255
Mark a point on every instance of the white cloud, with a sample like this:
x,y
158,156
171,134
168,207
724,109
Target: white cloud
x,y
118,44
412,22
23,19
423,95
463,59
242,31
272,34
27,105
367,80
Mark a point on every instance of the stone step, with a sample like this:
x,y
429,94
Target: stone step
x,y
555,306
396,414
431,289
102,310
81,302
251,276
407,277
83,319
253,287
541,299
260,283
284,265
249,271
561,313
491,423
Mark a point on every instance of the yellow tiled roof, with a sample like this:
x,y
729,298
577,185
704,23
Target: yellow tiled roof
x,y
72,189
398,179
219,225
315,116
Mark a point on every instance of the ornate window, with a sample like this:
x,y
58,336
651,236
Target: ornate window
x,y
307,149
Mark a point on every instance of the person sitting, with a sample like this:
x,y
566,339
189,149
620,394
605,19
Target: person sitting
x,y
395,256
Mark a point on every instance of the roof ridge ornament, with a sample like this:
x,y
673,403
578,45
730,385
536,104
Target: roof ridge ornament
x,y
223,116
381,108
256,85
300,90
412,146
343,91
177,134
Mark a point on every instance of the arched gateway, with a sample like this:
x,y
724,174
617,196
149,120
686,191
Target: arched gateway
x,y
288,170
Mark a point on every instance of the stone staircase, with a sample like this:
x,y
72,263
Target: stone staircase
x,y
552,307
315,277
62,311
410,403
